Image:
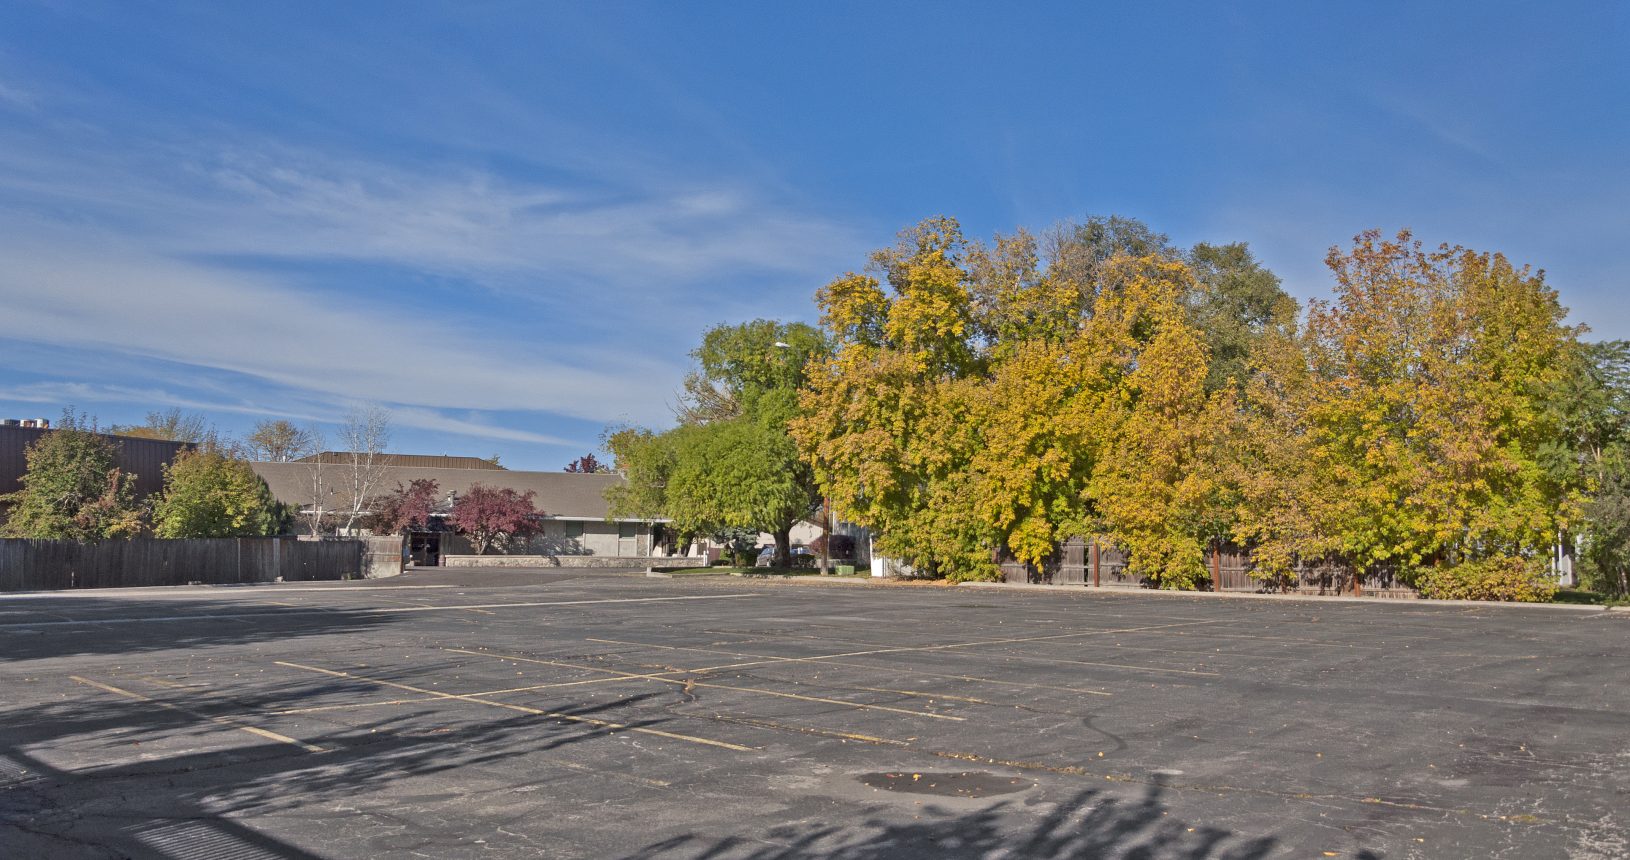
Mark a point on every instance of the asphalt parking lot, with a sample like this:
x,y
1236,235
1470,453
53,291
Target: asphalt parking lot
x,y
557,714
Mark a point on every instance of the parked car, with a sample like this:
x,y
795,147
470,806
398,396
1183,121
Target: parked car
x,y
767,555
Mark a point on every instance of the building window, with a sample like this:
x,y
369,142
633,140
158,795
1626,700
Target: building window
x,y
628,530
572,529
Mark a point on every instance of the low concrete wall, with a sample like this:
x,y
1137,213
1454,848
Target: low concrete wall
x,y
565,561
382,556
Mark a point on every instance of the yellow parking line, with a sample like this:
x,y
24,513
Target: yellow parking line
x,y
224,721
354,705
521,708
632,676
527,689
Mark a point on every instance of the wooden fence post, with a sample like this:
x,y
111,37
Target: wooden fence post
x,y
1216,567
1096,582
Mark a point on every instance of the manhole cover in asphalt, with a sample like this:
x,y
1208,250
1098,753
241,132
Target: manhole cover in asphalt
x,y
963,784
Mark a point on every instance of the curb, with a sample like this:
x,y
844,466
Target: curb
x,y
1417,602
1302,598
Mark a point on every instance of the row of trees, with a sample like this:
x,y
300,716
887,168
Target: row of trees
x,y
340,488
73,489
1436,418
275,440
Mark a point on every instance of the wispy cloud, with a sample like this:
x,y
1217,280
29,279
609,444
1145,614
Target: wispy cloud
x,y
159,255
285,203
99,294
15,95
57,393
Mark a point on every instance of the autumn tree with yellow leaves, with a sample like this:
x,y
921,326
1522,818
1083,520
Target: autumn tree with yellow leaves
x,y
1409,427
990,400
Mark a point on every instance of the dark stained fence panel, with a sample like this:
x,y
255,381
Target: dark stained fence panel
x,y
1112,571
1072,563
42,565
1015,571
1234,570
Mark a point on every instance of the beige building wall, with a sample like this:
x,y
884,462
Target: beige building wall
x,y
572,537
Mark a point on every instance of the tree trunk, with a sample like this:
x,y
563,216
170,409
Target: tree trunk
x,y
783,547
826,536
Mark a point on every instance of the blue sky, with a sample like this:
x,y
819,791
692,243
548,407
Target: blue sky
x,y
509,222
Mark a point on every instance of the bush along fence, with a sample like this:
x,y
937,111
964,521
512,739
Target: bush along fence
x,y
46,565
1083,563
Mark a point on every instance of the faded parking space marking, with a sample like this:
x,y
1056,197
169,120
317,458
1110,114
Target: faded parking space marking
x,y
221,721
553,715
630,676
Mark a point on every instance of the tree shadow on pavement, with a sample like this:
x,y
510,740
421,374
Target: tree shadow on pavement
x,y
61,797
80,626
1088,824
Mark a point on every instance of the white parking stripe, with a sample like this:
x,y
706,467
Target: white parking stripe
x,y
363,611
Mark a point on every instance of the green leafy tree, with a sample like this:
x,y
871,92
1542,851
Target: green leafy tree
x,y
73,489
739,544
739,474
730,464
1605,561
1598,457
645,459
210,495
1237,305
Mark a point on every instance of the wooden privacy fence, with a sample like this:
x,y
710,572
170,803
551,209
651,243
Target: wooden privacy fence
x,y
46,565
1080,562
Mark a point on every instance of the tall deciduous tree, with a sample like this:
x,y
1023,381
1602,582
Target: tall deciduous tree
x,y
1238,306
73,489
210,495
494,515
645,459
320,489
365,434
1598,458
172,425
983,403
1155,430
730,464
280,441
739,473
1425,416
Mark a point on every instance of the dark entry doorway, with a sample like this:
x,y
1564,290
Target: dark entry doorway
x,y
424,549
